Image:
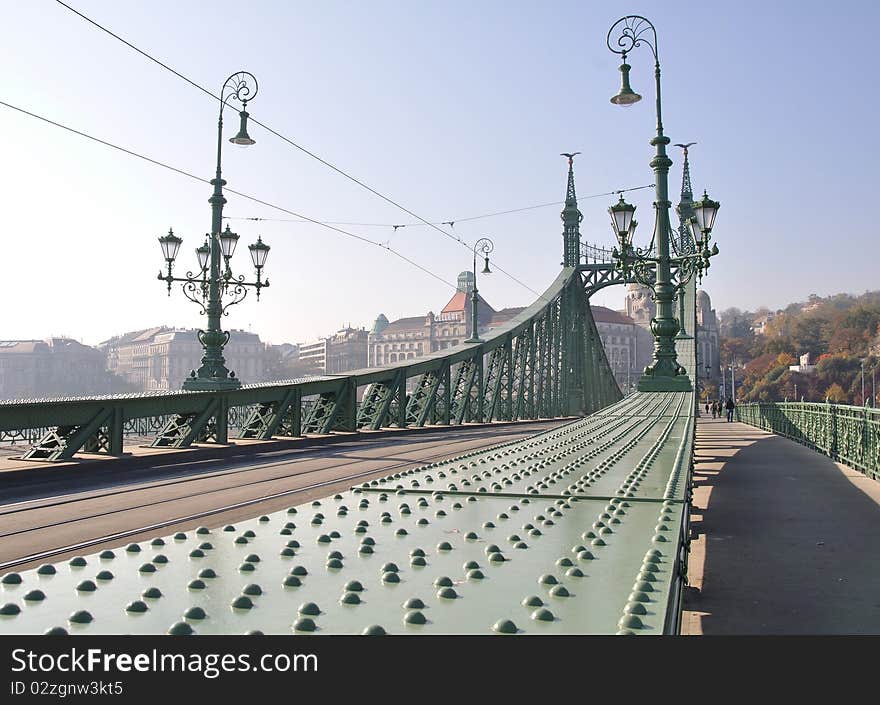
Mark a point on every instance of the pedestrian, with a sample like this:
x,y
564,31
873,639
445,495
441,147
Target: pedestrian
x,y
730,406
707,406
714,409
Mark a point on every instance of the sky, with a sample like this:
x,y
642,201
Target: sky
x,y
452,109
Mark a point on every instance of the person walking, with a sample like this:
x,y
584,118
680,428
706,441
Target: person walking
x,y
707,406
716,406
730,406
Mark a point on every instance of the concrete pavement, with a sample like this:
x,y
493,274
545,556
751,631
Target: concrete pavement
x,y
786,539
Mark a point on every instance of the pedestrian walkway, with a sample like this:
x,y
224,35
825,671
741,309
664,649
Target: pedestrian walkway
x,y
785,539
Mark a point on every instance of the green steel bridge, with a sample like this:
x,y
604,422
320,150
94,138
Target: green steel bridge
x,y
580,529
583,528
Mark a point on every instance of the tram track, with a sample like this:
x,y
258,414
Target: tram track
x,y
72,521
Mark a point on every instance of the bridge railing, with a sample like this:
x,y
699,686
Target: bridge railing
x,y
847,434
547,362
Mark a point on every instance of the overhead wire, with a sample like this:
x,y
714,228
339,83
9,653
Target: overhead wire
x,y
182,172
453,237
446,222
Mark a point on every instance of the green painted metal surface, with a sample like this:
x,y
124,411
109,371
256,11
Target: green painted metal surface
x,y
582,529
848,434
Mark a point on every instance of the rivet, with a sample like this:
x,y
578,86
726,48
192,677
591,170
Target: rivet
x,y
89,586
548,579
10,609
80,617
504,626
542,615
323,538
11,579
444,546
443,582
353,586
560,591
229,527
35,596
203,530
299,570
152,593
447,593
334,564
179,536
475,574
249,534
638,597
374,630
181,629
575,573
390,578
287,552
496,558
414,603
418,562
292,581
532,601
390,568
157,542
56,631
240,540
630,621
194,613
564,562
350,598
252,589
304,624
635,608
242,602
403,532
414,617
46,569
246,567
309,609
585,555
136,607
197,553
196,584
77,562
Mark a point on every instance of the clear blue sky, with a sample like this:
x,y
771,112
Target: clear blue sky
x,y
452,108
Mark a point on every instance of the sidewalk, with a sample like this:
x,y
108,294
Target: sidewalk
x,y
786,539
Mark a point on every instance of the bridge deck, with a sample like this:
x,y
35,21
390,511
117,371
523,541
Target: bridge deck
x,y
575,530
787,538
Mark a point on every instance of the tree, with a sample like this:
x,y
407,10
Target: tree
x,y
835,394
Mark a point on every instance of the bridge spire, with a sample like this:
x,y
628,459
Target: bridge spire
x,y
571,218
685,207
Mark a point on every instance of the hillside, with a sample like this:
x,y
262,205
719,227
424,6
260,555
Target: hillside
x,y
840,333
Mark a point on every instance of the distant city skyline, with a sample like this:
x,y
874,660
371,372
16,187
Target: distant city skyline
x,y
482,134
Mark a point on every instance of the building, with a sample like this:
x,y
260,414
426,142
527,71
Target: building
x,y
627,345
415,336
641,308
806,367
55,367
160,358
708,340
759,325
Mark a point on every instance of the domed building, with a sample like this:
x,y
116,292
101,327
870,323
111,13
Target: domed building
x,y
408,338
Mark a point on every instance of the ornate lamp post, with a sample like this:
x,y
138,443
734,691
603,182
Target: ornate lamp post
x,y
665,373
214,287
485,246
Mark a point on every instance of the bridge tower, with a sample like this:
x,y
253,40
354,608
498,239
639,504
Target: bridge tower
x,y
685,207
571,218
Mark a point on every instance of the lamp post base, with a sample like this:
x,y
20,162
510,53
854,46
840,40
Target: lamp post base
x,y
680,383
473,340
684,336
204,384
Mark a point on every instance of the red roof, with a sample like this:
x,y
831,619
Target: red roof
x,y
456,303
606,315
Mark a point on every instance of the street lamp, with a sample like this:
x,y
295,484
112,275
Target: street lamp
x,y
485,246
664,373
214,280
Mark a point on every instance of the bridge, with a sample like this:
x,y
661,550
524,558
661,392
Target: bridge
x,y
505,485
502,486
